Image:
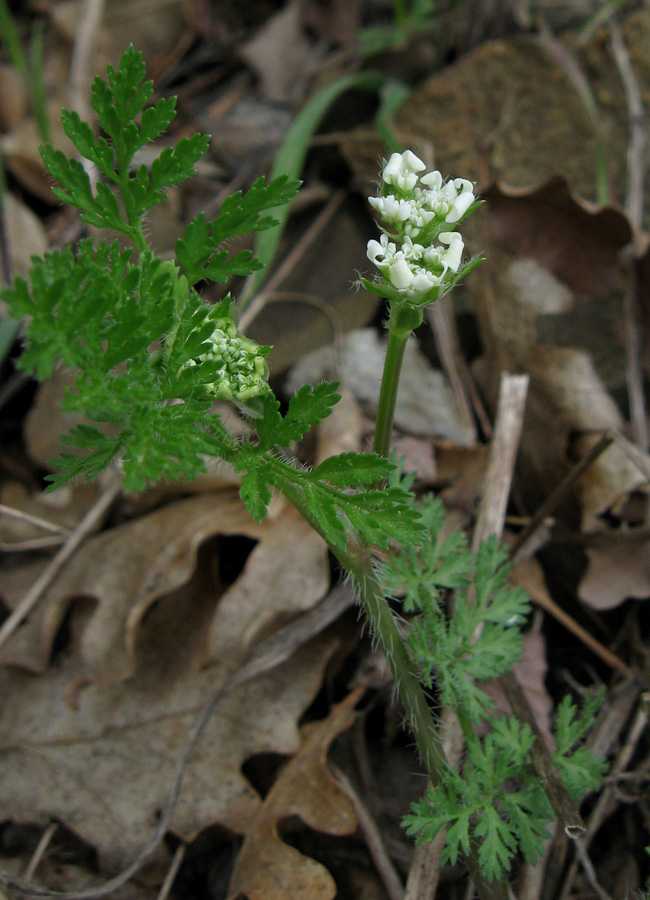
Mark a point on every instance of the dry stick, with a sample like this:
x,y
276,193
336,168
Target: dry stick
x,y
558,494
272,653
583,635
387,872
41,847
172,872
503,451
12,513
301,247
45,579
634,208
425,868
603,805
444,331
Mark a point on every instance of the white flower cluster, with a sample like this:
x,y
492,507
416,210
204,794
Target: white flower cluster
x,y
243,372
420,216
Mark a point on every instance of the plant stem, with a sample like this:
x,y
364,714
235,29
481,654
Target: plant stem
x,y
399,13
388,393
401,322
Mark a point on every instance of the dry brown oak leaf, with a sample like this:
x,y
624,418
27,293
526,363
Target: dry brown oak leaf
x,y
128,568
269,869
104,763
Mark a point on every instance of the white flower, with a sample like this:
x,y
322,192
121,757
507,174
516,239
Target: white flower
x,y
381,252
390,209
424,281
464,199
401,170
452,256
400,274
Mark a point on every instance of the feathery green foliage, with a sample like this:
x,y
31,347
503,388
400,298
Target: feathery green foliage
x,y
498,799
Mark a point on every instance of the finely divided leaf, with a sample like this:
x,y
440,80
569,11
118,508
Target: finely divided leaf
x,y
306,408
198,250
349,469
254,489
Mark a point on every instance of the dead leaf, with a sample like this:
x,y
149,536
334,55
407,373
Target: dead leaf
x,y
577,242
424,406
102,762
606,487
126,569
286,573
281,54
269,869
20,151
25,234
615,573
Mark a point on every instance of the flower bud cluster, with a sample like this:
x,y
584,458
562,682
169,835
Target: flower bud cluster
x,y
244,371
421,255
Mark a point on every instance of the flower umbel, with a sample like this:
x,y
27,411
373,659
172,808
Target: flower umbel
x,y
243,371
420,257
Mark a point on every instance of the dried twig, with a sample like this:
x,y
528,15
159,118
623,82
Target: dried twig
x,y
444,331
314,231
41,847
172,872
385,868
83,529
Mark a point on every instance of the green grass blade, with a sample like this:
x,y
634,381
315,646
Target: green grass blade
x,y
11,40
39,105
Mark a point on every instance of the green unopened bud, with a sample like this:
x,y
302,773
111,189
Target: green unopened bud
x,y
243,371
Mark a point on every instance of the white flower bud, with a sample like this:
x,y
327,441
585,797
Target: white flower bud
x,y
401,170
452,256
400,274
463,201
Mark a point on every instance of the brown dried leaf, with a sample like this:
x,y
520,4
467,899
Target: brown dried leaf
x,y
128,568
281,54
101,757
577,242
615,573
269,869
25,234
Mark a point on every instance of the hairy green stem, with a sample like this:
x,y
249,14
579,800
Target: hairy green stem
x,y
401,322
388,393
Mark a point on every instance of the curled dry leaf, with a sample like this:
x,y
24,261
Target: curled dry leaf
x,y
269,869
102,759
126,569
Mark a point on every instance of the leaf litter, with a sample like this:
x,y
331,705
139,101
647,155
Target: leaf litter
x,y
148,630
